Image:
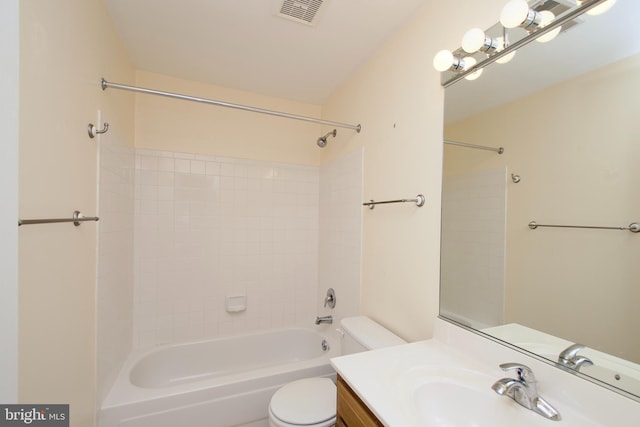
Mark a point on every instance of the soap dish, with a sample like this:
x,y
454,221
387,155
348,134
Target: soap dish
x,y
235,303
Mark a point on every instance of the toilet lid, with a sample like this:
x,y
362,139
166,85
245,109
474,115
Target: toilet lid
x,y
308,401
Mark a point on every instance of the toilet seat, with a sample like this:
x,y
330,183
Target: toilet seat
x,y
307,402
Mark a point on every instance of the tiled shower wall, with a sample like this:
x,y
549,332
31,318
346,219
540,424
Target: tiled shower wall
x,y
473,249
115,258
210,227
341,234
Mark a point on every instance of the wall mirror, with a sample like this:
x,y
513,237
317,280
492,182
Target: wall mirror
x,y
567,113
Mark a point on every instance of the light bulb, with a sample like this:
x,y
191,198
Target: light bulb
x,y
469,62
514,13
473,40
601,8
505,58
548,17
443,60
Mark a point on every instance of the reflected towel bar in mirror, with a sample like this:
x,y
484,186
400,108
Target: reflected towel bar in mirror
x,y
419,201
634,227
498,150
77,219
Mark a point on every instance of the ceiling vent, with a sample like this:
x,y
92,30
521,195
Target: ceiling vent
x,y
302,11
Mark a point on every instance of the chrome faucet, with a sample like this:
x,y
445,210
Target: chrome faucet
x,y
324,319
524,391
570,359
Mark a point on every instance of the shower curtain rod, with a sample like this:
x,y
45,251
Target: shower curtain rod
x,y
498,150
105,84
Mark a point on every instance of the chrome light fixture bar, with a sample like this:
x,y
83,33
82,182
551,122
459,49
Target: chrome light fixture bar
x,y
558,22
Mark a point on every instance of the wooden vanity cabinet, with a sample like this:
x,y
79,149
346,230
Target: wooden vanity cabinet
x,y
351,411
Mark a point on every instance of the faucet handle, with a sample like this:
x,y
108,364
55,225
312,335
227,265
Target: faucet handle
x,y
570,359
571,351
330,299
524,372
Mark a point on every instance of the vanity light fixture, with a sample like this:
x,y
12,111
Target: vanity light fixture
x,y
444,61
470,62
600,9
547,18
541,25
503,41
516,13
476,40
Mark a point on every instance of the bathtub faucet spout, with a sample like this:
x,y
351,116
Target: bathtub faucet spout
x,y
324,319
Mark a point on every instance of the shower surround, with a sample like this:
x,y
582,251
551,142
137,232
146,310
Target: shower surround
x,y
180,232
210,227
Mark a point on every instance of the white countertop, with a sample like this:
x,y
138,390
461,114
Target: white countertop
x,y
389,381
375,375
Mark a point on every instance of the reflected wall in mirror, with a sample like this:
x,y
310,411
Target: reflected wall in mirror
x,y
568,116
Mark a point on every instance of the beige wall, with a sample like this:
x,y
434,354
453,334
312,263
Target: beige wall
x,y
577,167
66,46
398,99
188,127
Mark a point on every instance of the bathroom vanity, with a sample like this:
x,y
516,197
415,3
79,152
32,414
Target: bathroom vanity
x,y
352,412
449,379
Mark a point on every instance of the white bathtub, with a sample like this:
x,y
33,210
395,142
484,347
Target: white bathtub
x,y
220,383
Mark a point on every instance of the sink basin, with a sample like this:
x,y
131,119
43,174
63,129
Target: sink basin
x,y
456,397
440,403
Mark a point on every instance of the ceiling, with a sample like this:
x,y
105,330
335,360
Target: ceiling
x,y
243,44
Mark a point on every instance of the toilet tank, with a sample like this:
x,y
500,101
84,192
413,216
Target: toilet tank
x,y
363,334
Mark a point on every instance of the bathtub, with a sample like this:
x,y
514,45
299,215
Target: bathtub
x,y
219,383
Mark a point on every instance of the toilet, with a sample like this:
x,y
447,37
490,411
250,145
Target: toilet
x,y
311,402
